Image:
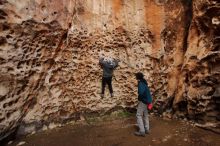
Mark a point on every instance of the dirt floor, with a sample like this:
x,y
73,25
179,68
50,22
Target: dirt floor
x,y
119,132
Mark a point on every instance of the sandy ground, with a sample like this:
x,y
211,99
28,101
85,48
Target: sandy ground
x,y
119,132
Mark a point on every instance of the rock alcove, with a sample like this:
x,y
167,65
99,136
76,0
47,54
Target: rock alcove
x,y
49,53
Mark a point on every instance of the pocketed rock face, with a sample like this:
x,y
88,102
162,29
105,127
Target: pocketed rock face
x,y
201,64
28,49
192,61
49,55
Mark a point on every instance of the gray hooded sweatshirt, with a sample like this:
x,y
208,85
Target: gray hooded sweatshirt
x,y
108,67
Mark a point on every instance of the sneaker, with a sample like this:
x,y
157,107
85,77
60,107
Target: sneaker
x,y
139,134
147,131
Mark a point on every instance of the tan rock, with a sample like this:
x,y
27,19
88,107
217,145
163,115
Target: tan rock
x,y
49,55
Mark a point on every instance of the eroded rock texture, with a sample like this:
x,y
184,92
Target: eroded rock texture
x,y
202,63
49,58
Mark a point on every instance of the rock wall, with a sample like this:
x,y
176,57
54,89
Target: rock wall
x,y
49,54
192,61
28,49
201,64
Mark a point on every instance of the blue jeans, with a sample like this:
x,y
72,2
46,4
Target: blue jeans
x,y
142,117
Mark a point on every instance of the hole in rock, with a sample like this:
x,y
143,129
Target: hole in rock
x,y
5,27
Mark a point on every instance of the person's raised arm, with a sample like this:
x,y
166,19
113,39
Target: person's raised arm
x,y
101,61
116,61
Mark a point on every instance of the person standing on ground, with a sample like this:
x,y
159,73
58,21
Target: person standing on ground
x,y
108,65
145,99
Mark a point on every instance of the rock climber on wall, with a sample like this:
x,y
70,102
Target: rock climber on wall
x,y
108,65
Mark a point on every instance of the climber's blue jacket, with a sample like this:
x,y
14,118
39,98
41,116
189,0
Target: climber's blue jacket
x,y
144,92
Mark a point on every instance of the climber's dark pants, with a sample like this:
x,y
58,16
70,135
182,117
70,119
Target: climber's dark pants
x,y
107,80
